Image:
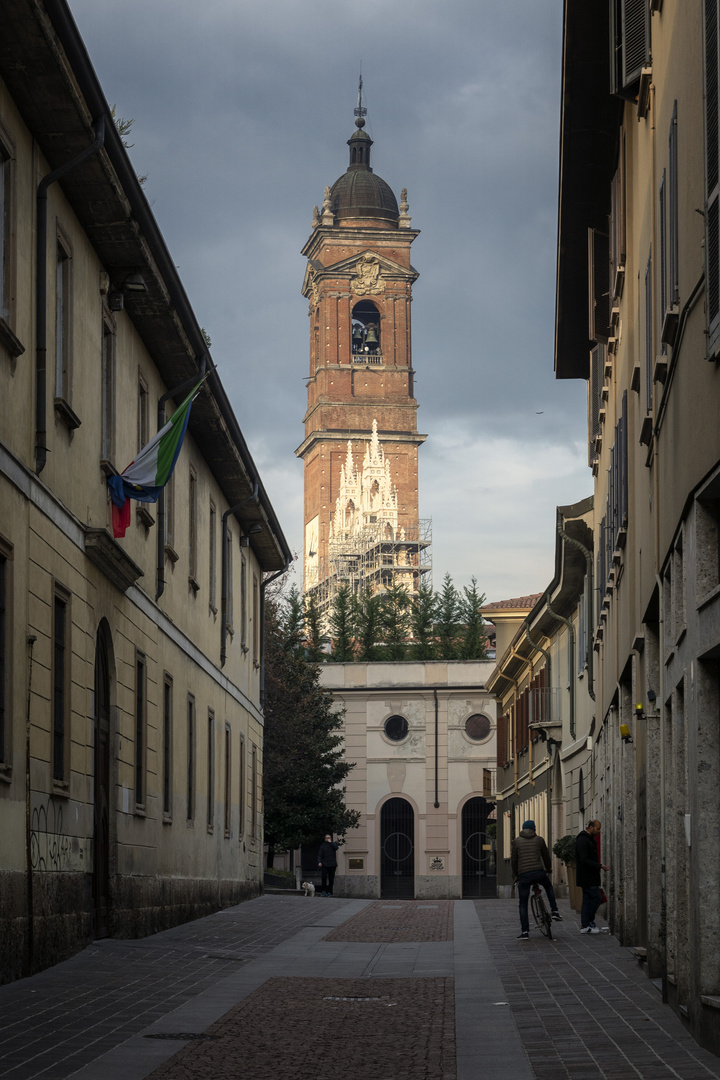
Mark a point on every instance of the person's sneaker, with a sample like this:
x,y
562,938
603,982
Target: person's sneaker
x,y
557,916
524,935
589,930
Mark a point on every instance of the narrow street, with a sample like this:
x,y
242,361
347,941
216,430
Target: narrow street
x,y
330,989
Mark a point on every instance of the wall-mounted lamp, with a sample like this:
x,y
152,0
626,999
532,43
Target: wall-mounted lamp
x,y
252,531
625,733
133,285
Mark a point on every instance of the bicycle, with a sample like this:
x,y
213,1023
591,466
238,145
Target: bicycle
x,y
543,918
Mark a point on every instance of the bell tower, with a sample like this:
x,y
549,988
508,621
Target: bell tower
x,y
360,392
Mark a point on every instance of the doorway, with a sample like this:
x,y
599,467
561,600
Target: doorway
x,y
397,850
479,850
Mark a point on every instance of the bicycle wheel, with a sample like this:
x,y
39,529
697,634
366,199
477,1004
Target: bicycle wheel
x,y
541,914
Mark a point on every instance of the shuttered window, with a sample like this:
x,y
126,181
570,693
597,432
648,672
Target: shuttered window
x,y
673,259
648,336
630,43
597,367
617,225
502,741
599,285
712,172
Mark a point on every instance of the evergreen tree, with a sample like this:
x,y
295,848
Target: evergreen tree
x,y
303,766
474,638
293,621
342,626
422,624
369,625
314,637
395,621
448,620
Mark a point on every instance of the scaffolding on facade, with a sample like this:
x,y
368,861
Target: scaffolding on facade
x,y
375,556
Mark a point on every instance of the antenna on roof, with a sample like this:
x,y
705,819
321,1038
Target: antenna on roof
x,y
360,109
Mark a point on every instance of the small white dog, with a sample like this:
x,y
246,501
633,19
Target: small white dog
x,y
308,887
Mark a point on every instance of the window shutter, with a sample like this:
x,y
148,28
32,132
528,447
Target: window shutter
x,y
648,336
673,209
635,40
712,192
662,240
623,436
597,365
599,285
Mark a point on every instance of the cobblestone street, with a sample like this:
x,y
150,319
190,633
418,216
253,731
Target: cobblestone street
x,y
331,989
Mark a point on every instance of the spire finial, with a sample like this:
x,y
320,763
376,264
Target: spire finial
x,y
360,110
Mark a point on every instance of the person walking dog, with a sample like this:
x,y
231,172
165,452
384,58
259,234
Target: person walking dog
x,y
327,861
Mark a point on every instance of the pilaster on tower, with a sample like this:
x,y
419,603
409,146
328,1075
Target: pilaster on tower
x,y
358,282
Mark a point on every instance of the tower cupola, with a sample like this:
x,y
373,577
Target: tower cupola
x,y
359,193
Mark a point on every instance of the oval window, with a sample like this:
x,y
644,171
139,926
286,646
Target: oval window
x,y
477,727
396,728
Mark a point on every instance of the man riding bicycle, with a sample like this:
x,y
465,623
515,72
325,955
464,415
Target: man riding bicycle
x,y
530,861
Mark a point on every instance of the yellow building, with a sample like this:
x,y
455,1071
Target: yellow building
x,y
130,670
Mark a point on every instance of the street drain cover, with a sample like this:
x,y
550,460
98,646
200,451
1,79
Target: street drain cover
x,y
185,1036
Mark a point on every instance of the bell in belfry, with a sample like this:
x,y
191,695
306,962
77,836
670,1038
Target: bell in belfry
x,y
371,338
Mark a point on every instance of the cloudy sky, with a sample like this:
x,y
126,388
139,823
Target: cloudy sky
x,y
242,111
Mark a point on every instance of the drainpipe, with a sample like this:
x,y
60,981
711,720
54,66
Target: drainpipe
x,y
263,586
41,291
571,633
437,801
588,606
224,571
187,385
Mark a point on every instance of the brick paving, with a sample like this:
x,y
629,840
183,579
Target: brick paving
x,y
253,989
62,1018
329,1029
399,920
585,1009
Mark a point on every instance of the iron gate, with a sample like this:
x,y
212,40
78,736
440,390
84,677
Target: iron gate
x,y
397,850
479,865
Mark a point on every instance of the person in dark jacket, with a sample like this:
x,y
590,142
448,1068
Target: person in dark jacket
x,y
327,861
530,861
587,875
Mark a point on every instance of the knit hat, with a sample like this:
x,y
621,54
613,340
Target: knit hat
x,y
529,825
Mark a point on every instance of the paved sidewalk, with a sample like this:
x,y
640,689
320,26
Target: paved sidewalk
x,y
248,992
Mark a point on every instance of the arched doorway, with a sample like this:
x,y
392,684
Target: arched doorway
x,y
479,849
397,850
101,815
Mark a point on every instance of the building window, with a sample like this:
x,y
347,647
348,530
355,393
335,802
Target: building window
x,y
241,792
167,745
662,241
712,174
256,621
5,655
212,540
63,321
478,727
253,793
61,685
243,604
396,728
228,780
143,411
190,758
107,448
140,728
6,287
170,519
193,531
648,337
707,530
673,268
229,614
211,771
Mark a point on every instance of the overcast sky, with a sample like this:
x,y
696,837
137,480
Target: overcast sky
x,y
242,111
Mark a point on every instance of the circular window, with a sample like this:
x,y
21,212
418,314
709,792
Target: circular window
x,y
477,727
396,728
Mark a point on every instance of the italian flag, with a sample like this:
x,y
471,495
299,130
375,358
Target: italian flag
x,y
147,475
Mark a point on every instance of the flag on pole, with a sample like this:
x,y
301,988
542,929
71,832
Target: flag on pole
x,y
147,475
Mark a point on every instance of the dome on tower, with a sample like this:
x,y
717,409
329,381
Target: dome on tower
x,y
359,193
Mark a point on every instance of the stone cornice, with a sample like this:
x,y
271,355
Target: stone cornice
x,y
355,435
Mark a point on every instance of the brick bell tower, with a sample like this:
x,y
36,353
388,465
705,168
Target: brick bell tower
x,y
360,394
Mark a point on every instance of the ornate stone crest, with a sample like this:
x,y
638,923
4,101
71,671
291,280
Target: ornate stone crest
x,y
368,279
313,288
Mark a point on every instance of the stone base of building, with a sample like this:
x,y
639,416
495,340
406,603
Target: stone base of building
x,y
438,887
357,886
64,919
505,892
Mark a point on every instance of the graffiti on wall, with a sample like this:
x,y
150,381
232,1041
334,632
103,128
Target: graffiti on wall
x,y
49,847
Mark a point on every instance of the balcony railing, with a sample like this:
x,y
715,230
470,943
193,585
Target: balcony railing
x,y
376,359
